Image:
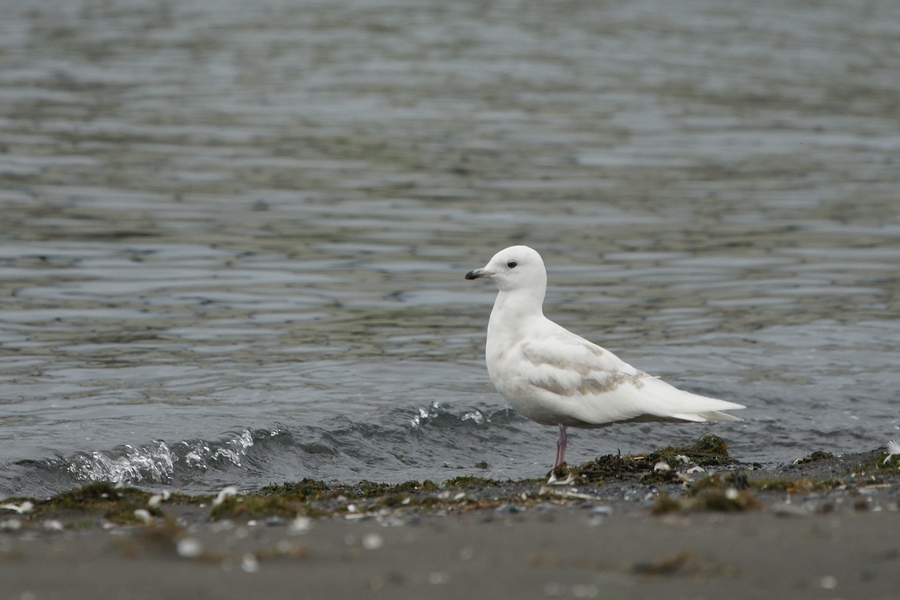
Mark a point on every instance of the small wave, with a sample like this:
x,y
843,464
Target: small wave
x,y
392,445
126,464
435,441
440,416
201,454
157,462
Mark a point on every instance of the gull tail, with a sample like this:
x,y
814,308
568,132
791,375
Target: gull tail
x,y
692,407
715,415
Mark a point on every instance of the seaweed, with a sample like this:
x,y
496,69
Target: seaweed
x,y
659,466
253,505
814,457
665,504
709,451
117,504
469,481
302,489
727,491
664,470
878,467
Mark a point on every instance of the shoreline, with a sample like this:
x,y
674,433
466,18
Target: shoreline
x,y
627,526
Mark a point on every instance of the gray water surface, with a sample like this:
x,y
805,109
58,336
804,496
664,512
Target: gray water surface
x,y
233,235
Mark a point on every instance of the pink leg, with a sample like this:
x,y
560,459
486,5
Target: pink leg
x,y
561,447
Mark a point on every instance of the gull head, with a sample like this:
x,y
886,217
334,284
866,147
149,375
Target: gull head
x,y
515,268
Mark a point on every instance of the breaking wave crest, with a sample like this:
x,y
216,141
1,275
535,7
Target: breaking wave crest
x,y
426,442
157,463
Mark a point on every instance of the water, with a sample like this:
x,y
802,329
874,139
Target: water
x,y
233,235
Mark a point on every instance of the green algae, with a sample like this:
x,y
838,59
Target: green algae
x,y
612,466
727,500
890,464
369,489
314,498
709,450
253,505
878,467
91,494
666,504
794,486
469,481
727,491
302,489
313,489
103,501
814,457
116,504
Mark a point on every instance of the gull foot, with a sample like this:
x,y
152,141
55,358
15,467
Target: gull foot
x,y
561,475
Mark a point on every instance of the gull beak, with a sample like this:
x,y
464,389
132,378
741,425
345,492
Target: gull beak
x,y
477,273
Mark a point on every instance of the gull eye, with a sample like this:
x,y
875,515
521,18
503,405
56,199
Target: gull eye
x,y
511,264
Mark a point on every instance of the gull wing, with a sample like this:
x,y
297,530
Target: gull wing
x,y
590,386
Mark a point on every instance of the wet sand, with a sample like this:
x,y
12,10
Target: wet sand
x,y
559,553
827,528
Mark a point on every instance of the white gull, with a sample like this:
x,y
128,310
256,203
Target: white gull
x,y
554,377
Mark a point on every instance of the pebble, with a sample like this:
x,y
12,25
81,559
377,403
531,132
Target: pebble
x,y
156,499
300,525
54,525
189,548
249,564
10,525
19,508
359,517
231,490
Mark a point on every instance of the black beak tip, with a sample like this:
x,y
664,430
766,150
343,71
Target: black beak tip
x,y
471,275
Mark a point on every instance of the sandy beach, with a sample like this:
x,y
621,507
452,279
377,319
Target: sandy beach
x,y
827,527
